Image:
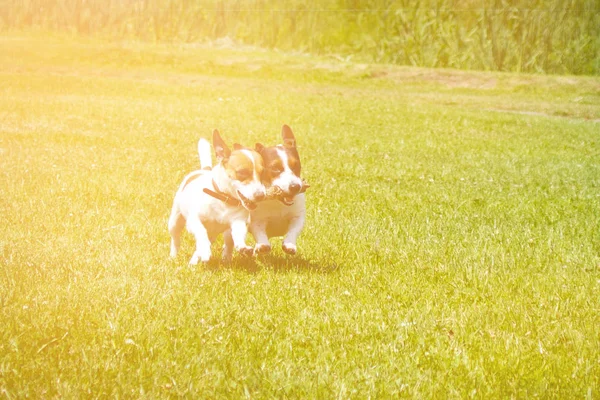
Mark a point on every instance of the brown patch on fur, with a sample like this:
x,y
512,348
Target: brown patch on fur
x,y
241,168
192,178
293,160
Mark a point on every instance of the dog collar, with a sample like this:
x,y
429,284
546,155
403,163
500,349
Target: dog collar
x,y
219,195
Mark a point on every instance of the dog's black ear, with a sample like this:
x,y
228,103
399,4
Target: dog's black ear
x,y
237,146
259,147
221,149
288,136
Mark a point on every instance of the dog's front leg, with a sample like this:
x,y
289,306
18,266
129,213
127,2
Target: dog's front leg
x,y
202,252
227,246
259,231
239,230
295,227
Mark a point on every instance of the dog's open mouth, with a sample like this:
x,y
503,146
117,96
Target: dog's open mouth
x,y
287,200
246,202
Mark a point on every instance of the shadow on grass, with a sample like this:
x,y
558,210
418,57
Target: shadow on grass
x,y
276,263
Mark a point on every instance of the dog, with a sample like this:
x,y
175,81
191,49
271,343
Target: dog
x,y
214,199
284,215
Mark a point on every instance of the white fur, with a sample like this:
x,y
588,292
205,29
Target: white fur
x,y
271,218
203,215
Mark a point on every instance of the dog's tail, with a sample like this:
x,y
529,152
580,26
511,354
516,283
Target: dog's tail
x,y
205,154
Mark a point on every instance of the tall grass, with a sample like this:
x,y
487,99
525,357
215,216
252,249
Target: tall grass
x,y
550,36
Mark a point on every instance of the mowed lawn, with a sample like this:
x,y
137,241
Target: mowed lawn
x,y
451,249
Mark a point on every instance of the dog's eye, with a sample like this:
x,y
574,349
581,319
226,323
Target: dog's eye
x,y
276,170
243,174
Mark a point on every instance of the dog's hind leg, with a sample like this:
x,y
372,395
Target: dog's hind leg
x,y
227,246
176,224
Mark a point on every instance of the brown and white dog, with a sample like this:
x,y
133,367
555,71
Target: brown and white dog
x,y
214,199
285,215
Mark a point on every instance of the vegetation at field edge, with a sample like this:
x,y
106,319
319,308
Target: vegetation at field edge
x,y
554,36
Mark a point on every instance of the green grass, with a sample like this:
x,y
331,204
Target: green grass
x,y
451,250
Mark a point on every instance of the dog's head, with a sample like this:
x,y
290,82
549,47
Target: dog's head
x,y
282,166
243,170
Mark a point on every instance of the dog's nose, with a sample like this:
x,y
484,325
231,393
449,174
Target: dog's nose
x,y
260,196
294,188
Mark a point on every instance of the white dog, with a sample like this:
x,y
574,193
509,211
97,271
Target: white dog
x,y
210,201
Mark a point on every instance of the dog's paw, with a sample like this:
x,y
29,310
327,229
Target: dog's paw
x,y
289,248
262,248
246,251
227,257
200,257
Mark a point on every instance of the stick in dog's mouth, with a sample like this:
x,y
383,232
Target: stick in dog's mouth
x,y
276,193
246,202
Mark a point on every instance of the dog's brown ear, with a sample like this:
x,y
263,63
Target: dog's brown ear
x,y
288,136
237,146
221,149
259,147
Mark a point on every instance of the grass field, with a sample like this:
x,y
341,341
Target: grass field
x,y
452,244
